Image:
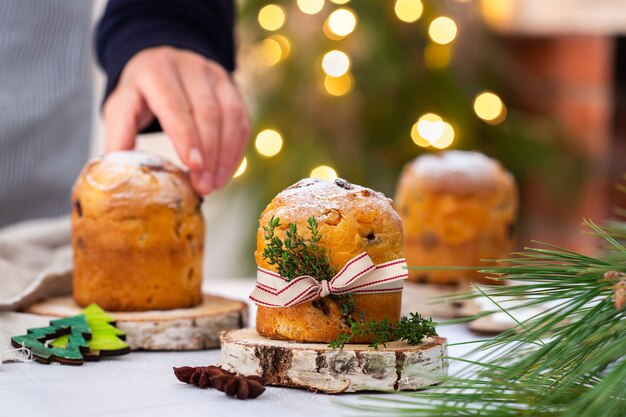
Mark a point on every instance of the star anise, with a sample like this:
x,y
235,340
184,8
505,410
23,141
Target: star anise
x,y
200,376
241,386
230,383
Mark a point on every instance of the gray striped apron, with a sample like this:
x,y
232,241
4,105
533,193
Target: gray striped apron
x,y
45,104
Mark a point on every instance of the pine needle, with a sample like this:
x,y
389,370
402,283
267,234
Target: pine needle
x,y
567,360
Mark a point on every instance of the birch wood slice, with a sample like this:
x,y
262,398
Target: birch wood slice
x,y
181,329
317,367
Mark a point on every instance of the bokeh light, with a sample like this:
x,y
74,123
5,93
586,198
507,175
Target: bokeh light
x,y
272,17
489,107
497,13
342,22
324,172
340,1
268,142
335,63
339,86
274,49
432,130
417,138
430,127
446,138
442,30
311,6
437,56
408,10
242,168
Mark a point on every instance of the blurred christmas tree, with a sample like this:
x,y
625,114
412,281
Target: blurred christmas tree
x,y
359,88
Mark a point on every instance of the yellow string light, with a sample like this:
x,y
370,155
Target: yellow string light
x,y
324,172
340,1
272,17
268,142
432,130
489,107
274,49
272,52
442,30
430,127
446,138
408,10
339,86
335,63
498,13
329,33
242,168
342,22
417,138
437,56
310,6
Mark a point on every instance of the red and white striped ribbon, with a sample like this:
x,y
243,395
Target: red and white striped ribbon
x,y
359,276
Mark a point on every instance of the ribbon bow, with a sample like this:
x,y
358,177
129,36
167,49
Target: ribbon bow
x,y
359,276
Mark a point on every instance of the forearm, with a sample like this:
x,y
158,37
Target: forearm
x,y
130,26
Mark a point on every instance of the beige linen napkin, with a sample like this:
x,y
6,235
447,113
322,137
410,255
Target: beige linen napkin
x,y
35,263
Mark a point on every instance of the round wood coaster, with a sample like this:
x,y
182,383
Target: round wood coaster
x,y
181,329
316,367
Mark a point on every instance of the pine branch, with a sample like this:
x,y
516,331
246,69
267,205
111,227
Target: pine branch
x,y
568,360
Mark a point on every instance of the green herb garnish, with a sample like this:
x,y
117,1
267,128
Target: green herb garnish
x,y
296,255
412,329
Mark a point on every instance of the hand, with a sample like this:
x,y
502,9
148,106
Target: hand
x,y
198,107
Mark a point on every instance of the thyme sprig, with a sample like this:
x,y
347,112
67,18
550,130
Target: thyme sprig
x,y
296,255
412,329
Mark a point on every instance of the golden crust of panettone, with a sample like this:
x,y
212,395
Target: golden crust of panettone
x,y
457,208
137,234
352,219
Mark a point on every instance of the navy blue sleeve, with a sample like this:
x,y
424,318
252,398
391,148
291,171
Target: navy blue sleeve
x,y
129,26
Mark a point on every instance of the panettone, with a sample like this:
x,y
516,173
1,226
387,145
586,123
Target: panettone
x,y
457,208
351,220
137,234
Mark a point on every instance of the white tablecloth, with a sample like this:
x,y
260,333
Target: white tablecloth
x,y
143,384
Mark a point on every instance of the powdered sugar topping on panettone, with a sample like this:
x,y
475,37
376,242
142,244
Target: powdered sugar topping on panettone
x,y
459,171
464,163
314,197
137,176
351,219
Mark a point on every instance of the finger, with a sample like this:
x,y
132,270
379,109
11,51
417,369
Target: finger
x,y
121,119
166,98
233,138
199,83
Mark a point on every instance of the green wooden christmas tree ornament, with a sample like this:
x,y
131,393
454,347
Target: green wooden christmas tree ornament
x,y
76,331
106,339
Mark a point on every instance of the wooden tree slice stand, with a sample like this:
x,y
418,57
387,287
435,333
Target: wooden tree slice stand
x,y
181,329
316,367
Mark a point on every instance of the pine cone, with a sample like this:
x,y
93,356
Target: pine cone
x,y
242,387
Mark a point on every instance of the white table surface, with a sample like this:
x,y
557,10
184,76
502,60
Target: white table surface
x,y
143,384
